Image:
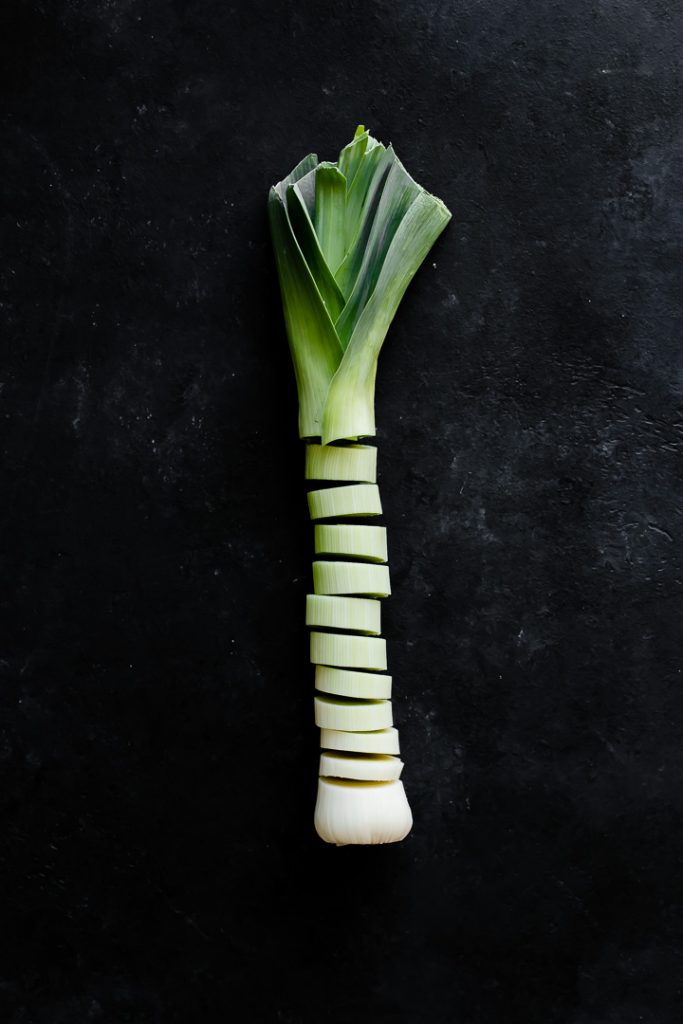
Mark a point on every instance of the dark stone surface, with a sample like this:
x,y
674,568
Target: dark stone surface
x,y
158,758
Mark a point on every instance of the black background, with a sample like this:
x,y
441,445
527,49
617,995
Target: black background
x,y
158,755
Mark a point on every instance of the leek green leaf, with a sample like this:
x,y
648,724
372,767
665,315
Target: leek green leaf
x,y
348,239
312,253
330,210
349,406
314,344
351,155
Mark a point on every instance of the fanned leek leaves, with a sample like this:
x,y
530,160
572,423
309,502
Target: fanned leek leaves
x,y
348,238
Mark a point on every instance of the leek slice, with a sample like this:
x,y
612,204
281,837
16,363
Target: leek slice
x,y
356,614
352,715
366,542
363,201
398,193
352,154
351,578
365,767
351,500
384,741
345,650
357,462
366,685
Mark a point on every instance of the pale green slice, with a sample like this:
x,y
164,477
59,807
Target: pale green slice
x,y
364,767
351,500
384,741
352,716
356,541
346,650
362,578
356,462
356,614
345,683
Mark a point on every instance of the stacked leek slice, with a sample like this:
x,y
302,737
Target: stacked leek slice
x,y
348,238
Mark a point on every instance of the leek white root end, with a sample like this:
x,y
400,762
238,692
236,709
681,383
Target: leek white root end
x,y
362,813
368,543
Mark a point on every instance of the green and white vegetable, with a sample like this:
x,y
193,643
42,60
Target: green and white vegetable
x,y
365,542
348,238
381,741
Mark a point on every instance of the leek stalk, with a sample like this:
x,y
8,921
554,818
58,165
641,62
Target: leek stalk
x,y
348,238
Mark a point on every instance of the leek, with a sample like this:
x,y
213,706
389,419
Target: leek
x,y
360,614
366,767
351,500
383,741
366,542
345,683
348,238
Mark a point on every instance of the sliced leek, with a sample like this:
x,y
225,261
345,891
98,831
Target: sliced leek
x,y
358,614
349,651
365,767
365,542
352,715
351,578
349,236
352,500
384,741
356,462
346,683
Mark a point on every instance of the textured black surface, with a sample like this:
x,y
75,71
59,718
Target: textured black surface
x,y
158,757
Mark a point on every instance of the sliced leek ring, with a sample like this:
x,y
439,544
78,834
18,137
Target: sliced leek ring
x,y
384,741
343,683
357,462
365,767
349,500
350,715
359,614
351,578
345,650
353,540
